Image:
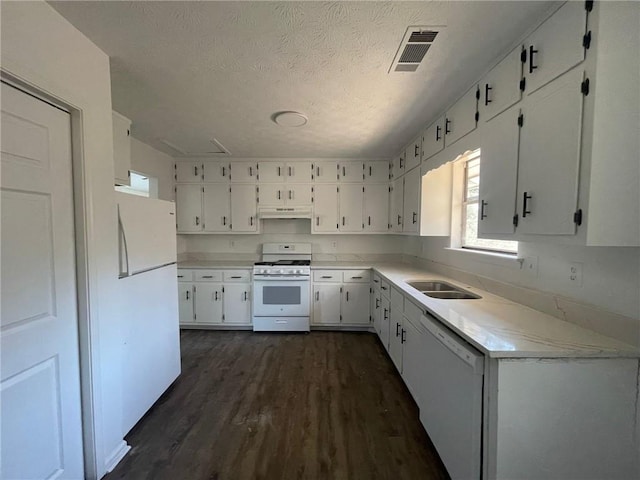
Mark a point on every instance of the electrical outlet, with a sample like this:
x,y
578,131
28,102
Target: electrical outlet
x,y
530,266
575,273
334,246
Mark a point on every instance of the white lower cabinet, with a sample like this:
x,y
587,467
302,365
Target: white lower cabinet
x,y
341,297
326,304
355,304
185,302
208,302
237,304
396,328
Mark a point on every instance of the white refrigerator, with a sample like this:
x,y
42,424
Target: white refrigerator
x,y
148,295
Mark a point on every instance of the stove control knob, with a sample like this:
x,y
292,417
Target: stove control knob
x,y
280,271
299,271
264,270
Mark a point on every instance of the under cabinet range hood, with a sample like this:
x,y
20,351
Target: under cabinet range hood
x,y
284,212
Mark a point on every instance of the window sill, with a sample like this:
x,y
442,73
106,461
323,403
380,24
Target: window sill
x,y
493,258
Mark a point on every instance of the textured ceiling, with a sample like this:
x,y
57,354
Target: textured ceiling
x,y
188,72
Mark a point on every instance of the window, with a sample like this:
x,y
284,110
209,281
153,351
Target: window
x,y
141,185
469,228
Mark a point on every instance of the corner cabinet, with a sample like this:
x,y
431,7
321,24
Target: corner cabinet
x,y
121,148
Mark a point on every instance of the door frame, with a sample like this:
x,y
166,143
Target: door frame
x,y
88,340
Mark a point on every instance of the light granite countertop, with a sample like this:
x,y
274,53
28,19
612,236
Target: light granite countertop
x,y
494,325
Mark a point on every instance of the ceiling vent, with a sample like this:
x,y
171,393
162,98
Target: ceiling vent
x,y
415,45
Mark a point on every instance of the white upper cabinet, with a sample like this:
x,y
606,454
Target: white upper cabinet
x,y
299,172
189,171
414,153
461,117
550,157
243,171
498,174
325,208
269,172
433,139
243,208
215,171
396,205
376,172
411,202
351,171
376,208
398,164
298,194
501,87
325,171
189,208
121,148
555,47
350,203
279,194
216,208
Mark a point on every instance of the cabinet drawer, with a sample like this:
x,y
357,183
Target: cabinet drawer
x,y
412,312
207,275
356,276
385,288
327,276
397,300
185,275
243,276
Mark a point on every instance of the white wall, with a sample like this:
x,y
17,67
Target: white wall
x,y
148,160
42,49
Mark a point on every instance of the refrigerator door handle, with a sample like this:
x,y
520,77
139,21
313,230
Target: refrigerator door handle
x,y
123,250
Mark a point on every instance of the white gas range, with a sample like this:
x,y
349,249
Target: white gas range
x,y
281,288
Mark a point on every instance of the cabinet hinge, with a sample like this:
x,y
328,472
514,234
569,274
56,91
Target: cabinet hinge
x,y
312,197
222,289
515,220
584,87
338,189
223,316
340,317
362,189
389,189
523,84
577,217
520,120
175,189
202,189
478,93
586,40
588,5
175,177
523,55
477,116
340,289
175,166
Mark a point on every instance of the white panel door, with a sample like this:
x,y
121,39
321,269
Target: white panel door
x,y
208,302
189,171
243,208
41,432
411,203
326,304
298,194
376,172
500,88
461,117
355,303
185,302
550,157
433,139
243,171
272,194
189,208
499,173
299,172
397,205
376,208
351,171
270,172
351,208
237,303
325,208
325,171
216,205
216,172
555,47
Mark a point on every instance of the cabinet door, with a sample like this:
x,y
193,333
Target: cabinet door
x,y
325,208
499,174
237,303
376,207
355,304
271,172
433,139
385,320
208,303
121,148
272,194
243,171
185,302
243,208
298,194
397,165
500,88
397,205
413,360
376,312
216,204
411,203
550,157
376,172
215,172
414,153
351,171
299,172
189,208
325,172
351,208
461,118
326,304
395,336
189,171
555,47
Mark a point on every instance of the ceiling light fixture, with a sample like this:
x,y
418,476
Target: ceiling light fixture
x,y
289,119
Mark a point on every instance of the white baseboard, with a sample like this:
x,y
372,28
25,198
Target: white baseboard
x,y
116,455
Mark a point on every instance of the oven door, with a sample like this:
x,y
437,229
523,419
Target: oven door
x,y
281,298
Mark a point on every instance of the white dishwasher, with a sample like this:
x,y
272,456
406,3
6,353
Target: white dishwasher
x,y
451,399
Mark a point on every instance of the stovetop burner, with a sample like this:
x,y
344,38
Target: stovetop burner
x,y
285,262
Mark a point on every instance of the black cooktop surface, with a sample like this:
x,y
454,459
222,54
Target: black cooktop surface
x,y
285,262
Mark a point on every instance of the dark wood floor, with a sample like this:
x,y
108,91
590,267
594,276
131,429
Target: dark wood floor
x,y
327,405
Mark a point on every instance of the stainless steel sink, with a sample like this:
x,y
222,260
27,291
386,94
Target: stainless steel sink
x,y
442,290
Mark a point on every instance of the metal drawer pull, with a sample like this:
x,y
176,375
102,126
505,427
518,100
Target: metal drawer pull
x,y
236,276
317,221
279,196
195,171
415,216
216,295
416,150
251,171
356,277
347,295
344,174
438,136
343,221
197,220
369,220
397,329
399,219
487,88
245,296
224,171
532,67
290,172
207,276
251,221
403,339
187,294
224,220
377,303
375,281
482,214
290,194
525,212
180,276
327,276
383,287
317,296
447,123
385,314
